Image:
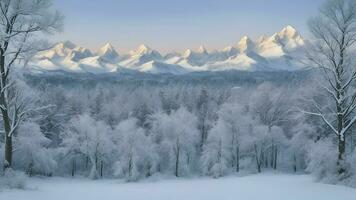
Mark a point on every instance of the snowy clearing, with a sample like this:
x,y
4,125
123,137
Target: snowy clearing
x,y
255,187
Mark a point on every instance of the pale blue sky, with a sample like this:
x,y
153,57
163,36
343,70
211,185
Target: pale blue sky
x,y
174,25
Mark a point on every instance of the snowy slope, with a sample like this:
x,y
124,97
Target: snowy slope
x,y
140,56
249,61
281,51
69,57
196,58
256,187
108,53
156,67
246,45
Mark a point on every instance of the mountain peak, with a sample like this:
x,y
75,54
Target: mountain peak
x,y
141,55
265,53
244,38
288,32
187,53
144,47
60,49
107,46
245,44
65,44
289,27
202,50
108,53
141,50
105,49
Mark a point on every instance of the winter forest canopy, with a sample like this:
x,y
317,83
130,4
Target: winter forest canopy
x,y
102,129
135,125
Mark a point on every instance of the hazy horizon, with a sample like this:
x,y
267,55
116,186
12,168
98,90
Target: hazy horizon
x,y
172,26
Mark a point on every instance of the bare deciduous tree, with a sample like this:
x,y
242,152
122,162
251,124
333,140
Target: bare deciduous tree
x,y
334,31
21,22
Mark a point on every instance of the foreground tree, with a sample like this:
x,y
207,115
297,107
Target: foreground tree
x,y
179,135
202,113
136,151
92,140
228,130
20,23
272,109
31,150
334,31
218,152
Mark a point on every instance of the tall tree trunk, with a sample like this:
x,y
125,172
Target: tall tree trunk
x,y
86,162
73,167
263,160
341,148
294,162
130,167
203,136
93,171
339,106
272,155
177,160
341,137
30,169
188,159
5,115
101,168
275,157
258,163
8,151
237,159
96,161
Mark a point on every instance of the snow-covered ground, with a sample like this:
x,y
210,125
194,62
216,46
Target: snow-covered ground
x,y
255,187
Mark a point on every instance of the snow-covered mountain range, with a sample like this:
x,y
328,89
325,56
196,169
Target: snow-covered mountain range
x,y
281,51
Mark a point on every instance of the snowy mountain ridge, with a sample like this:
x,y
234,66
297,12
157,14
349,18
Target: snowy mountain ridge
x,y
281,51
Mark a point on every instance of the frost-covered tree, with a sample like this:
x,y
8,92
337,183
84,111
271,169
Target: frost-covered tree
x,y
136,151
31,150
300,144
168,102
216,156
323,161
90,138
269,105
334,32
178,133
223,143
54,118
203,115
132,136
258,142
20,23
235,120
